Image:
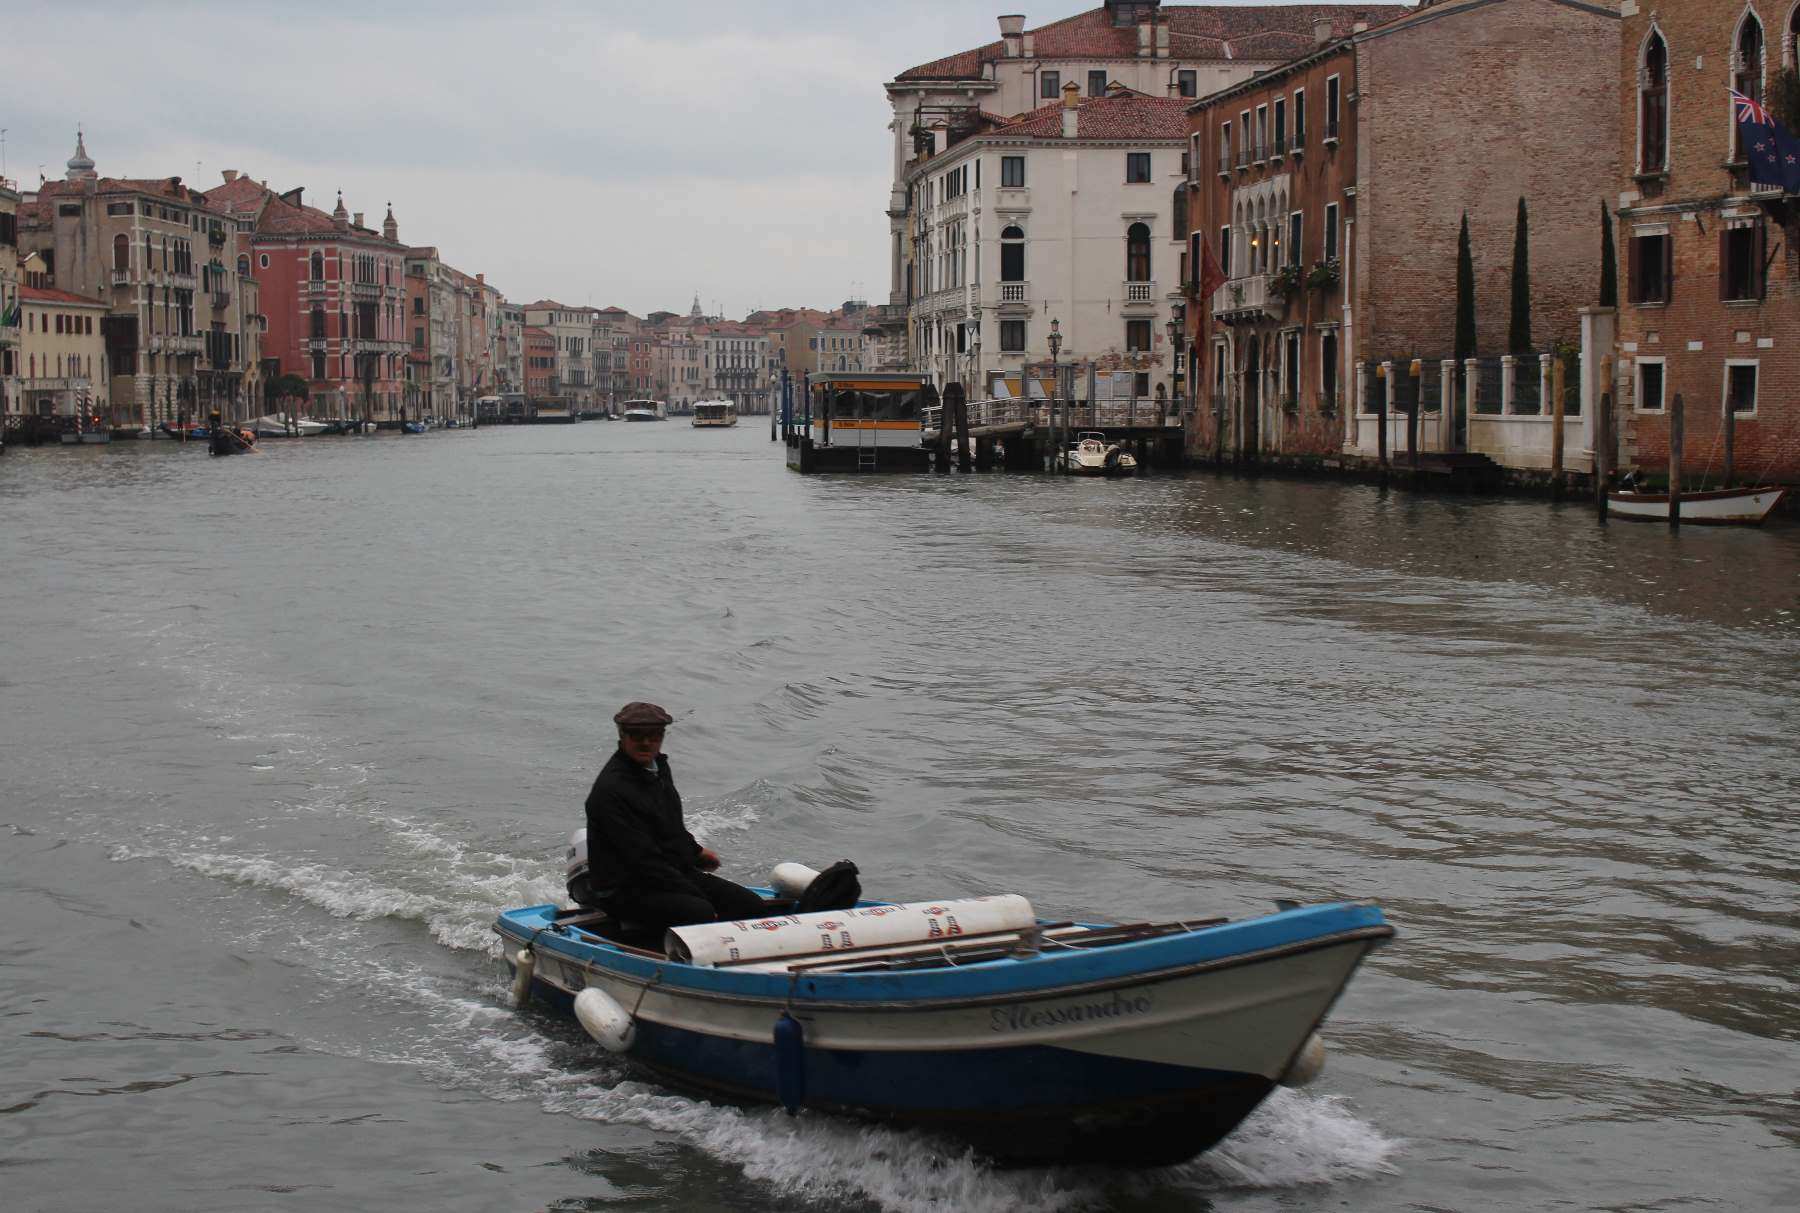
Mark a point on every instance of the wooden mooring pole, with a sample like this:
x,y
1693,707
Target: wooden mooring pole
x,y
1556,429
965,451
1676,409
1730,444
1602,453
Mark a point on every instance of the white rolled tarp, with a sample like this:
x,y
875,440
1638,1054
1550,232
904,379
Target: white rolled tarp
x,y
831,931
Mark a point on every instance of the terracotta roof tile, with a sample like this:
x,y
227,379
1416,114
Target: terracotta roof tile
x,y
1120,116
43,294
1196,31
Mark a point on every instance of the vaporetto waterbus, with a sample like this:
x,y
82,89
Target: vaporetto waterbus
x,y
711,414
644,410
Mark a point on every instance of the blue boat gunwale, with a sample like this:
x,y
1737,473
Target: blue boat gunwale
x,y
1048,974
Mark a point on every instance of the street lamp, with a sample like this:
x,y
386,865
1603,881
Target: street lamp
x,y
1055,383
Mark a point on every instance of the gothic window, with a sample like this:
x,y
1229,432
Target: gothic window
x,y
1012,255
1137,253
1653,107
318,275
1747,70
121,253
243,265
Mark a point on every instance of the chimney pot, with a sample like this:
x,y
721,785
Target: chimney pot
x,y
1071,95
230,175
357,219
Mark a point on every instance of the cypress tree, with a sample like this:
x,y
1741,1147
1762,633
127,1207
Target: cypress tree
x,y
1465,297
1609,262
1518,330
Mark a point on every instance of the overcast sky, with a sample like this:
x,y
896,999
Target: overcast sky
x,y
605,152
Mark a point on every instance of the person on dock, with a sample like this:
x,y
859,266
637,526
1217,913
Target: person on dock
x,y
644,866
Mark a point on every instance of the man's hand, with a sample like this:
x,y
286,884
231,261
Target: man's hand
x,y
709,860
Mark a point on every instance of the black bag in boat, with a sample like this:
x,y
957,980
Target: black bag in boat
x,y
836,888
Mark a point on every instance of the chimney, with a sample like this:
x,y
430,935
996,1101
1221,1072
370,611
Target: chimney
x,y
1321,30
230,175
356,221
1012,32
1162,40
1144,40
1030,51
1071,115
1361,22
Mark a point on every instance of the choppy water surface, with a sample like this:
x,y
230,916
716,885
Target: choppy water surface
x,y
281,733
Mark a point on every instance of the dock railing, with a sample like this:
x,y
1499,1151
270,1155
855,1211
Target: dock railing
x,y
1011,415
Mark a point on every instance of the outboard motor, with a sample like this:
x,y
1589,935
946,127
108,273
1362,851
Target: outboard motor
x,y
575,871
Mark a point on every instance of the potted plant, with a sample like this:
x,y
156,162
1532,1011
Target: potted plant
x,y
1324,275
1284,280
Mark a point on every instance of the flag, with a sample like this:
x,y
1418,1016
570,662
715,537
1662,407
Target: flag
x,y
1211,276
1772,151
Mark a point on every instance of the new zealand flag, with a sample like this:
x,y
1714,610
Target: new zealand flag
x,y
1772,151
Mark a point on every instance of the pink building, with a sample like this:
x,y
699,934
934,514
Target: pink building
x,y
334,293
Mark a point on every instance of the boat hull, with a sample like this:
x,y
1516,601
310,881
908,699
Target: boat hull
x,y
1138,1068
1725,507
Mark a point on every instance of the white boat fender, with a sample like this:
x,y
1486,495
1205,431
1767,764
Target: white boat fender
x,y
791,879
1307,1063
790,1062
605,1020
524,965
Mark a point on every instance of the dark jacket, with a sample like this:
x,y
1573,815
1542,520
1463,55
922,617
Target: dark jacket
x,y
635,835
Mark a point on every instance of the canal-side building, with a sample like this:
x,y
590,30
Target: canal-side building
x,y
1328,195
540,363
62,347
333,295
170,271
9,299
571,329
1065,215
1178,51
1709,298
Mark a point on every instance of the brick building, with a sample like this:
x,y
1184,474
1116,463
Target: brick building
x,y
334,296
540,364
1404,127
1709,293
9,298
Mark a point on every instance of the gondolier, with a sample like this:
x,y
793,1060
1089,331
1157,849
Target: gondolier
x,y
643,865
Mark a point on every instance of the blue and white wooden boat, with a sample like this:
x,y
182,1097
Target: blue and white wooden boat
x,y
1140,1044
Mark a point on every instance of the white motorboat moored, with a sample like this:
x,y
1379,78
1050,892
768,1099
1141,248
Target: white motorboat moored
x,y
1091,455
1722,507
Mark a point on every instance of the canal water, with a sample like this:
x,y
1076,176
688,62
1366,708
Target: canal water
x,y
281,733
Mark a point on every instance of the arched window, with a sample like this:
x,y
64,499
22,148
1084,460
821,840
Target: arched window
x,y
1012,255
1653,106
318,267
243,265
318,324
1747,69
1137,253
121,253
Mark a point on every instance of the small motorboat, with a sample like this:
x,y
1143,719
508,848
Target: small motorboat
x,y
1091,455
275,426
1034,1041
645,410
1722,507
413,427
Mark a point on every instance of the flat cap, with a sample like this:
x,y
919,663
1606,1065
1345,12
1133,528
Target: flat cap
x,y
642,716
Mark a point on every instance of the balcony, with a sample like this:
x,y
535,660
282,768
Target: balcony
x,y
183,278
1243,155
9,335
1331,132
1015,295
1013,198
1139,296
1248,299
121,277
221,300
315,286
1224,161
365,288
179,344
1279,149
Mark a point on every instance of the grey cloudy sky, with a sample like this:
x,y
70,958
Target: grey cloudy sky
x,y
606,152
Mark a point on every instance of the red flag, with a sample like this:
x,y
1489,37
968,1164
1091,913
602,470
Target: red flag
x,y
1211,276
